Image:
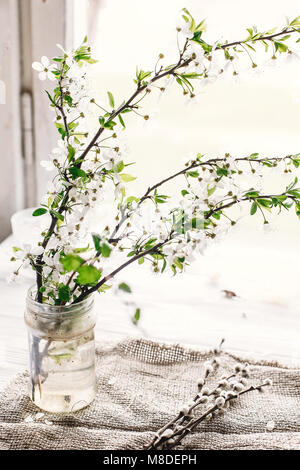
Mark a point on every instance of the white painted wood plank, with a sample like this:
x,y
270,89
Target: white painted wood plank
x,y
11,193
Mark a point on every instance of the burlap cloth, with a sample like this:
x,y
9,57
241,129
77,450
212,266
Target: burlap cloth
x,y
142,385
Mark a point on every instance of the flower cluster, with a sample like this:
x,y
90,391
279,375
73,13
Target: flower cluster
x,y
90,166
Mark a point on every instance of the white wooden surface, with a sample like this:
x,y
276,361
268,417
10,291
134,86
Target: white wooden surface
x,y
262,321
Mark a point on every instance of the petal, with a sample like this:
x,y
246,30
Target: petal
x,y
51,76
45,61
37,66
60,47
42,75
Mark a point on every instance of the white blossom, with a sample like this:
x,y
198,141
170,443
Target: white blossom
x,y
45,69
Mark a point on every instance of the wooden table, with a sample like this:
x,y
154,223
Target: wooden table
x,y
262,320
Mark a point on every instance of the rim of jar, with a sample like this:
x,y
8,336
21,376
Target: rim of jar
x,y
48,311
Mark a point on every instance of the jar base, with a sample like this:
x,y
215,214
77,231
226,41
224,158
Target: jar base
x,y
61,402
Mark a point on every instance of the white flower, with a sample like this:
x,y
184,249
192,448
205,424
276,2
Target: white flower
x,y
53,261
11,278
183,27
149,117
48,165
45,69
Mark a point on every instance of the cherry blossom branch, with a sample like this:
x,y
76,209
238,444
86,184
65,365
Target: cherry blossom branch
x,y
154,249
192,166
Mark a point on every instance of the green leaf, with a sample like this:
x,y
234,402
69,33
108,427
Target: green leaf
x,y
125,287
141,260
110,124
193,174
295,22
105,250
73,125
111,99
62,133
120,166
131,199
96,240
136,316
88,275
82,250
71,262
121,120
77,172
253,208
104,288
211,190
280,47
39,211
295,193
252,194
264,202
127,178
50,97
71,153
64,293
57,215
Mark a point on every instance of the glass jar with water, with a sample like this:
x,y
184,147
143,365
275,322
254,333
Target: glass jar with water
x,y
61,354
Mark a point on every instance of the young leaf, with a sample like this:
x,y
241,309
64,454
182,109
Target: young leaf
x,y
97,240
136,316
77,172
39,211
105,250
111,99
57,215
121,120
64,293
71,262
253,208
104,288
125,287
71,153
88,275
127,178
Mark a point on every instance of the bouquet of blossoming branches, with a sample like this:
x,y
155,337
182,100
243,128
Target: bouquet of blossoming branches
x,y
90,160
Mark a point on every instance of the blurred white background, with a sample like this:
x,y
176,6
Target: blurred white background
x,y
259,113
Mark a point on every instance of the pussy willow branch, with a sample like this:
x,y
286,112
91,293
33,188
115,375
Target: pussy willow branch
x,y
140,88
180,416
190,426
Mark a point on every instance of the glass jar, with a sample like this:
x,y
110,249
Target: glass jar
x,y
61,354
